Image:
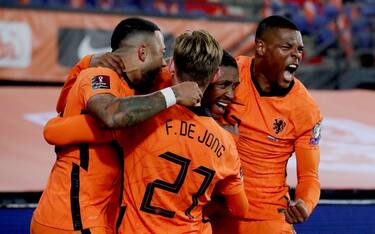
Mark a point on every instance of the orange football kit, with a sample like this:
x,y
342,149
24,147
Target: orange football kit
x,y
271,129
83,189
172,163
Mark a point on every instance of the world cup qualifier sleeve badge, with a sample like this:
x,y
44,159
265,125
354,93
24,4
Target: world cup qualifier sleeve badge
x,y
315,135
100,82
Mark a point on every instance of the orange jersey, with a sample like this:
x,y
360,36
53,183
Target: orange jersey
x,y
172,163
72,77
271,129
84,185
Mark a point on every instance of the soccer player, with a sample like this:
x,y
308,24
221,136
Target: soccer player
x,y
171,126
176,158
277,118
218,95
83,189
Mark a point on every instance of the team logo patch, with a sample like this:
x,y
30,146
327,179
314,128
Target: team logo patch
x,y
278,125
100,82
315,135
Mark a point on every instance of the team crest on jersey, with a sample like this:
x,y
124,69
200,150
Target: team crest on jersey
x,y
315,135
100,82
278,125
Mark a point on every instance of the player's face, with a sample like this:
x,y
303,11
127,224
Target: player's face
x,y
284,48
221,93
154,61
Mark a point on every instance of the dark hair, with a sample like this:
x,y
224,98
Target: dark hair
x,y
228,60
271,23
130,26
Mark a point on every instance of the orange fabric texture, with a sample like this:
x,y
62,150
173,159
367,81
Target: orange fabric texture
x,y
162,80
271,129
72,77
84,185
172,163
37,228
225,225
89,131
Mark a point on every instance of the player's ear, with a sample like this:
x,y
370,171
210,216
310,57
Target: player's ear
x,y
260,47
142,52
216,75
172,70
171,66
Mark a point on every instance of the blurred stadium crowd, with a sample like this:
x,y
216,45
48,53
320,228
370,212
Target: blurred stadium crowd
x,y
338,34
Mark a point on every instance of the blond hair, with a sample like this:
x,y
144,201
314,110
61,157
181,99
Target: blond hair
x,y
196,55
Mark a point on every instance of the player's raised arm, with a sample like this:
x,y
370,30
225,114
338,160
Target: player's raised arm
x,y
75,129
116,112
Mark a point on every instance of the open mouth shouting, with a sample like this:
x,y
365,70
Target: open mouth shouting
x,y
289,71
219,107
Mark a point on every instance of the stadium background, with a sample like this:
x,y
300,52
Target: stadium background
x,y
41,39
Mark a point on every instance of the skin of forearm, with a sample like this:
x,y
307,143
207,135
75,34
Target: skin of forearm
x,y
133,110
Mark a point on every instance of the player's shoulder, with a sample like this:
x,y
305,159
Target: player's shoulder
x,y
163,79
100,78
303,98
306,110
243,59
243,62
91,72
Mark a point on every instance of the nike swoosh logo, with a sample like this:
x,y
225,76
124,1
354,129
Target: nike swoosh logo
x,y
85,48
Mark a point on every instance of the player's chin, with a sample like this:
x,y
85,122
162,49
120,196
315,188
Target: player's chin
x,y
217,111
284,84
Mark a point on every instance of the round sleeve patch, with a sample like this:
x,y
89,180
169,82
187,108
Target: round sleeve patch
x,y
315,135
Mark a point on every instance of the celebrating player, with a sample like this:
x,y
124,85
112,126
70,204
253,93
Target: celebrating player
x,y
277,118
141,215
83,189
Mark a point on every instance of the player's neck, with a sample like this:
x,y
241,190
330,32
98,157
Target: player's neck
x,y
261,79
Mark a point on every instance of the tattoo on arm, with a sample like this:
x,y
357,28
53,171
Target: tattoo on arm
x,y
126,111
132,110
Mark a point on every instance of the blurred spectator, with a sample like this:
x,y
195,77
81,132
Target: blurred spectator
x,y
168,7
105,4
204,7
77,3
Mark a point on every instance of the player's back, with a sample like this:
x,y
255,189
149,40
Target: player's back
x,y
84,184
172,164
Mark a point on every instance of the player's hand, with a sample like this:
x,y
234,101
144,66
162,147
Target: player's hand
x,y
187,93
231,128
296,212
109,60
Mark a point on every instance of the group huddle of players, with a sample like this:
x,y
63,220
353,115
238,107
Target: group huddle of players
x,y
198,144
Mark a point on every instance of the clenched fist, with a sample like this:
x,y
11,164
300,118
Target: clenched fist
x,y
296,212
187,93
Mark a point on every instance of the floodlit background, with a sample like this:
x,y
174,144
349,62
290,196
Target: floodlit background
x,y
40,40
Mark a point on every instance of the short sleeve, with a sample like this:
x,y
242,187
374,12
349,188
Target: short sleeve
x,y
94,81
